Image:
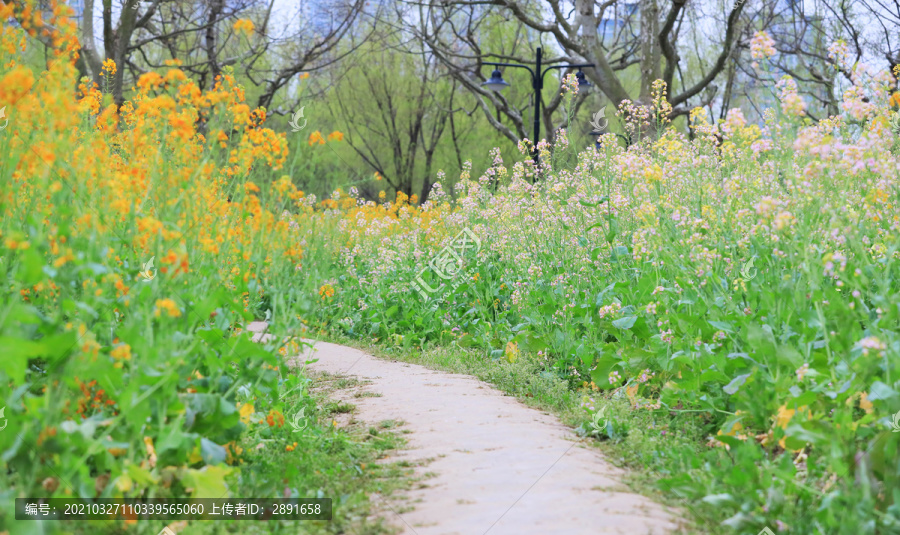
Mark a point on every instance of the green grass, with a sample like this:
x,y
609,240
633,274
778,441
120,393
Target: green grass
x,y
345,464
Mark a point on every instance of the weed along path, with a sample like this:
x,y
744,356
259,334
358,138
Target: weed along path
x,y
497,467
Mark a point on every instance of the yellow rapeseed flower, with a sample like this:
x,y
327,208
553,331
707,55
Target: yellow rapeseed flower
x,y
169,306
244,25
109,68
326,290
511,352
316,137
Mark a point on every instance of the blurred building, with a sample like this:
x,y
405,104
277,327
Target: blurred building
x,y
624,17
77,6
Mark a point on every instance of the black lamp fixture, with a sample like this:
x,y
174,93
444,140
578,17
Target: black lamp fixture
x,y
583,83
596,135
497,83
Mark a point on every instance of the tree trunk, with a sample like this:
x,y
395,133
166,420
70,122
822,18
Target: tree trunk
x,y
651,69
426,177
602,74
121,41
210,42
93,63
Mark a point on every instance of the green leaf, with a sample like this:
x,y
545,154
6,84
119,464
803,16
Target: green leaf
x,y
30,267
718,499
798,435
211,452
613,230
600,295
624,323
730,440
790,355
535,344
881,391
16,353
600,373
619,252
602,200
207,482
806,398
735,384
761,339
140,476
722,326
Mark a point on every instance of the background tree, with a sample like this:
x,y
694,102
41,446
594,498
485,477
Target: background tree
x,y
395,105
201,35
802,33
623,39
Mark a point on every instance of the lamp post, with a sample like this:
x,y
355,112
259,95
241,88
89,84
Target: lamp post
x,y
497,83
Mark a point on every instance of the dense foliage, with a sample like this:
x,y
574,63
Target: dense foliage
x,y
747,276
743,275
135,249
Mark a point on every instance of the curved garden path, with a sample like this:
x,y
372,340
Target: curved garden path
x,y
502,468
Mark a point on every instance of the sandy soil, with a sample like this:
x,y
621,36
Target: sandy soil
x,y
502,468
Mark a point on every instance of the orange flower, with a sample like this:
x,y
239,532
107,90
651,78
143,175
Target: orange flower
x,y
275,417
150,80
109,68
241,113
335,136
894,100
169,306
15,84
121,352
326,290
316,137
244,25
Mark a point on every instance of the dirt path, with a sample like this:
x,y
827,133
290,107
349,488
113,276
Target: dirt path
x,y
502,468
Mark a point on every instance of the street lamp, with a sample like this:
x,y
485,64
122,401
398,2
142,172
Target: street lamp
x,y
497,83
